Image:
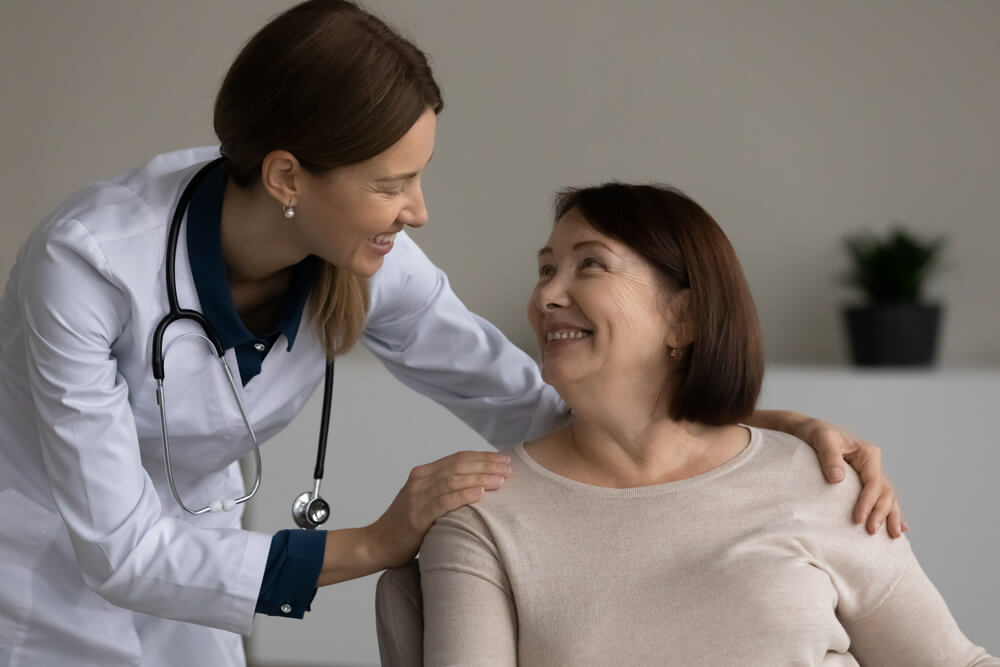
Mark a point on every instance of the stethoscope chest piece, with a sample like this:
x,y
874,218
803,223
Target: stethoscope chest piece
x,y
309,510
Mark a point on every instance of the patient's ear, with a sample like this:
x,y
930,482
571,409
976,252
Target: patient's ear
x,y
680,319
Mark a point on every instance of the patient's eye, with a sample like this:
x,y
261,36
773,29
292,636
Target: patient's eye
x,y
546,271
591,263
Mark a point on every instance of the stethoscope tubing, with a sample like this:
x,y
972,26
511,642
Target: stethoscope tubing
x,y
175,314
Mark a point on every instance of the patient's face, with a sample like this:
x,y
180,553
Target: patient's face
x,y
600,311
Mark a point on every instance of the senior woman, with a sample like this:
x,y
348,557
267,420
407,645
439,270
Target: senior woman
x,y
655,528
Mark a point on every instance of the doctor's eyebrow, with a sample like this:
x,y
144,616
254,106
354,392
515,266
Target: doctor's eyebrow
x,y
403,177
400,177
577,246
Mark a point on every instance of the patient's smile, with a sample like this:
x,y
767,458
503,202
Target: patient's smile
x,y
566,334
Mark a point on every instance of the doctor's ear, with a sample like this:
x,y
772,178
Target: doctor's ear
x,y
281,175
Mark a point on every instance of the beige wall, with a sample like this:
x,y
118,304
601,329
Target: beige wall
x,y
793,122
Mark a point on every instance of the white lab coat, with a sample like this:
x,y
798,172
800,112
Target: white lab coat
x,y
98,564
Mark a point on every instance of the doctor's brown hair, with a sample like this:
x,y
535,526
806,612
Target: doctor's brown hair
x,y
717,380
333,85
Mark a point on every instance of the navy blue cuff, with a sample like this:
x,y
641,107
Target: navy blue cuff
x,y
293,566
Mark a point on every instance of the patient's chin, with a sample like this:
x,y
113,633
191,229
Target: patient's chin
x,y
562,376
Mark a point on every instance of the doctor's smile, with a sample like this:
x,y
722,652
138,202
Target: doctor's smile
x,y
164,323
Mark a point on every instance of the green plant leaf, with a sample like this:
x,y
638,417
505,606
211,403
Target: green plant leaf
x,y
893,268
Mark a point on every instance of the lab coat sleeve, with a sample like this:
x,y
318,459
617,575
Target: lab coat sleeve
x,y
431,342
128,552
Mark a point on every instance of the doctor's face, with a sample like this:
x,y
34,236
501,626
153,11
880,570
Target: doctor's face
x,y
600,311
351,215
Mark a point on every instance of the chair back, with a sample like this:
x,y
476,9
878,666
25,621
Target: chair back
x,y
399,617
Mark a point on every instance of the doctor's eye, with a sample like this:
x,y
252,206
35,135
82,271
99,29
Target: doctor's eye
x,y
388,188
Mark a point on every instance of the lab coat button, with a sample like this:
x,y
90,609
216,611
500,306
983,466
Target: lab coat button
x,y
260,347
286,608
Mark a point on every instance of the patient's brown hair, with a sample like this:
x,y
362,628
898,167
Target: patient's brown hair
x,y
717,380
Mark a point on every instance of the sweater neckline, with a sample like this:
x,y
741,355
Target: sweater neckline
x,y
654,489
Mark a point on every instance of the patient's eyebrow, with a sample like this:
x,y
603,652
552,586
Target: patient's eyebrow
x,y
577,246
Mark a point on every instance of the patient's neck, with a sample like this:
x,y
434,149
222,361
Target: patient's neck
x,y
622,442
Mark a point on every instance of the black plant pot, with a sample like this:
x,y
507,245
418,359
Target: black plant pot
x,y
893,334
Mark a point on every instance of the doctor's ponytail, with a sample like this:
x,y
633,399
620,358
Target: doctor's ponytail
x,y
334,86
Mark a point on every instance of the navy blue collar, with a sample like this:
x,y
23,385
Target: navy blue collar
x,y
208,269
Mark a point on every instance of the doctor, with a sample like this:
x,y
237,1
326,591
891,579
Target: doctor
x,y
326,122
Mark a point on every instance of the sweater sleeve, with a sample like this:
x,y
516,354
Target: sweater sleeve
x,y
912,627
469,614
891,611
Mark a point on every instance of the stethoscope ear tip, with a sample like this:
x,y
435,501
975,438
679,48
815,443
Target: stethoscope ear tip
x,y
223,505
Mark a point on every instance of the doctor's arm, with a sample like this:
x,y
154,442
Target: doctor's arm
x,y
300,561
127,550
431,491
429,340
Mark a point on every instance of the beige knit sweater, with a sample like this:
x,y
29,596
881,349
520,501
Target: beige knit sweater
x,y
754,563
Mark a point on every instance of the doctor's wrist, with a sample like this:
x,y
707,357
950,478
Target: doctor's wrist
x,y
349,554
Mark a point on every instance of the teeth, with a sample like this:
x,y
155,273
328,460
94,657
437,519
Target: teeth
x,y
382,239
566,334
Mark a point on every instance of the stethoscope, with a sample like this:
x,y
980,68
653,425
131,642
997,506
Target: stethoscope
x,y
309,510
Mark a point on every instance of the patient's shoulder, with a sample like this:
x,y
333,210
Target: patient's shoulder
x,y
522,503
796,467
517,490
789,489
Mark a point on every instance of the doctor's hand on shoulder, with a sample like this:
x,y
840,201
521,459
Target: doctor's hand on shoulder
x,y
431,491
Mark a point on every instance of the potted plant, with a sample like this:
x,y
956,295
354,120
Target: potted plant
x,y
895,327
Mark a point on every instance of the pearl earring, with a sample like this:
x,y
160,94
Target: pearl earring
x,y
288,210
676,353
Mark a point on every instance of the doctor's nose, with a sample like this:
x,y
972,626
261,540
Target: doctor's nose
x,y
414,214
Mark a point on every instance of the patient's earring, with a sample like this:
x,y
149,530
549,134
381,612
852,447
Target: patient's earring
x,y
676,353
288,210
